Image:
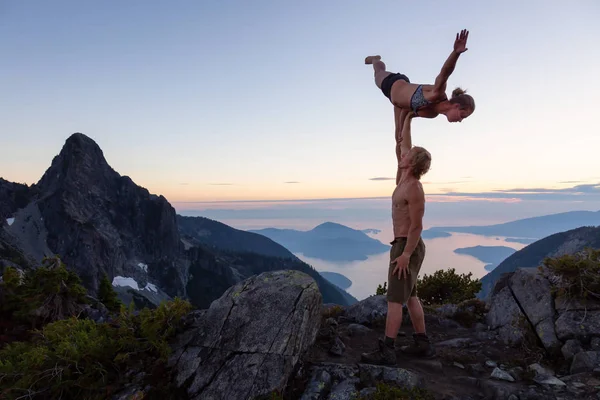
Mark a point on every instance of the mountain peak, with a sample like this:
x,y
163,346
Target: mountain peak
x,y
80,160
330,226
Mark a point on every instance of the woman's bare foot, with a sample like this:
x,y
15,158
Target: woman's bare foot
x,y
372,59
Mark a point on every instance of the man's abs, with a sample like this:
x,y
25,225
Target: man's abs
x,y
400,220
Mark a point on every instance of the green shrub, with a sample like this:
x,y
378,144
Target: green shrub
x,y
108,296
78,358
73,358
577,275
48,293
446,286
381,290
69,359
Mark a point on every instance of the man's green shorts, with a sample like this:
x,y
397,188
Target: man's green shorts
x,y
400,290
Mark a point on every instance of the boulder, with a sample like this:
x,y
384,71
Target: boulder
x,y
370,311
585,361
532,292
581,325
506,316
248,342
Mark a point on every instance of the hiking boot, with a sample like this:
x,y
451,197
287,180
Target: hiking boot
x,y
384,355
421,347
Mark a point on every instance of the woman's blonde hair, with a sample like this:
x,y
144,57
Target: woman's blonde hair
x,y
460,97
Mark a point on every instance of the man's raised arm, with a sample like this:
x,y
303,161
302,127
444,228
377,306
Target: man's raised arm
x,y
400,118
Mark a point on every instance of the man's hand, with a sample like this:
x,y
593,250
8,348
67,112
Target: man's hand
x,y
460,44
401,266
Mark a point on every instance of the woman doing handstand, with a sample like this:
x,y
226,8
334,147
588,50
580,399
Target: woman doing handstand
x,y
426,101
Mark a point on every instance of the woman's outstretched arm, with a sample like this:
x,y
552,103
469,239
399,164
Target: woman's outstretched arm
x,y
460,46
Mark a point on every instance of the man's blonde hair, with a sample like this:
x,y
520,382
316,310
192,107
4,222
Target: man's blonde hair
x,y
420,161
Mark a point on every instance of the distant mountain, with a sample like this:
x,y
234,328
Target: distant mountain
x,y
520,240
337,279
536,227
568,242
224,255
201,230
491,255
328,241
100,222
429,234
213,271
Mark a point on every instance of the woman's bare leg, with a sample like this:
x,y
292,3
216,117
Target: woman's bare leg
x,y
378,69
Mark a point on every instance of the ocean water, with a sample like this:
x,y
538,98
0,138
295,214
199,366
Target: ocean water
x,y
366,275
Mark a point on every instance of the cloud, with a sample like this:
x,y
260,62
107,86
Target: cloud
x,y
447,182
220,184
587,192
381,179
570,181
292,182
184,183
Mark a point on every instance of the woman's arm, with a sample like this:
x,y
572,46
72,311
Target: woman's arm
x,y
460,46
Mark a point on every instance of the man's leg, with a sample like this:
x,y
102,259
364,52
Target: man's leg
x,y
393,320
386,353
417,316
421,345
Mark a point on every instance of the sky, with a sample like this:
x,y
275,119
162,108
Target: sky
x,y
210,101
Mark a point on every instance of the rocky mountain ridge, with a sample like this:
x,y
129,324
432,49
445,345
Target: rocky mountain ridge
x,y
532,255
100,222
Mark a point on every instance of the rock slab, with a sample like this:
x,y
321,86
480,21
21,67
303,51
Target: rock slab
x,y
250,339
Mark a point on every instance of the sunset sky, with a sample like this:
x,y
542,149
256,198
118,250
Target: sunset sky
x,y
261,100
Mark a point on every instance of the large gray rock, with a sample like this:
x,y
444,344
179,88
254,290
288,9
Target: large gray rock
x,y
506,316
504,310
585,361
532,292
370,311
581,325
250,339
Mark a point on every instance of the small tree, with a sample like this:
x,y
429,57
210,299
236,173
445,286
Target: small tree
x,y
446,286
108,296
576,275
50,293
381,290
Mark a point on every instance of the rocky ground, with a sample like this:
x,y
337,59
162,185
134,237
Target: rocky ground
x,y
271,337
472,362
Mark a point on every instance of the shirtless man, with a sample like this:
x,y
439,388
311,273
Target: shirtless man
x,y
408,249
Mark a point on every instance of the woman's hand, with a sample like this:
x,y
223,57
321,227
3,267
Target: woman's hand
x,y
460,44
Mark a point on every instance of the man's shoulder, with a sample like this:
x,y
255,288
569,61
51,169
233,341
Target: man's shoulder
x,y
414,189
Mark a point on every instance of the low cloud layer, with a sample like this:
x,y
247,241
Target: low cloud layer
x,y
587,192
452,208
